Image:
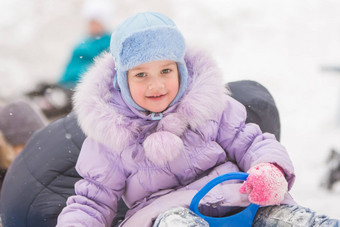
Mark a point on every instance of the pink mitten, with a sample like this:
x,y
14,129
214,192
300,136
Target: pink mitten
x,y
266,185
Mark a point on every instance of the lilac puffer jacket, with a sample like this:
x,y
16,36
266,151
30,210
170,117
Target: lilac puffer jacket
x,y
159,164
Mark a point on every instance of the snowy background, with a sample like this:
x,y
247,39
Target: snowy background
x,y
281,44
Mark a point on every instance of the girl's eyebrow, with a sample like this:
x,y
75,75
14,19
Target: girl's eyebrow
x,y
170,63
139,68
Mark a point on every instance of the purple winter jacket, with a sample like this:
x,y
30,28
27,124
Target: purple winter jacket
x,y
155,165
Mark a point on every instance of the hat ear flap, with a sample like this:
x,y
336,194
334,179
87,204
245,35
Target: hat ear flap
x,y
115,83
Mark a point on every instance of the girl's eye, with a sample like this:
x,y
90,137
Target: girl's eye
x,y
141,75
165,71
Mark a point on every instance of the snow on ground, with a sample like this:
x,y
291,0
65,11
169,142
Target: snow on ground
x,y
281,44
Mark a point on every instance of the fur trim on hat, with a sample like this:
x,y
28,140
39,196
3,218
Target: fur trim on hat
x,y
104,116
151,45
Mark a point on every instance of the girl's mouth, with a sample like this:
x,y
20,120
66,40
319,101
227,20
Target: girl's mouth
x,y
155,97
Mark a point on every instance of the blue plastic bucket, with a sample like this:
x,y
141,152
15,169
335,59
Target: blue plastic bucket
x,y
243,218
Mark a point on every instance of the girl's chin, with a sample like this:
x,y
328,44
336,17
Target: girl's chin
x,y
156,110
156,106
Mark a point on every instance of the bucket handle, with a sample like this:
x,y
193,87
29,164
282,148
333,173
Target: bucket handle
x,y
245,217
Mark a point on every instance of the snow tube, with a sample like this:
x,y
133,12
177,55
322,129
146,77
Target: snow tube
x,y
243,218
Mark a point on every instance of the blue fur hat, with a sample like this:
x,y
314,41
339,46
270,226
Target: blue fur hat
x,y
146,37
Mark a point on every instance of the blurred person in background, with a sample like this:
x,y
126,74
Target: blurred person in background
x,y
55,99
97,16
18,121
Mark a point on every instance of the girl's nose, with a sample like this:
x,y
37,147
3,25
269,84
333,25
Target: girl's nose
x,y
156,84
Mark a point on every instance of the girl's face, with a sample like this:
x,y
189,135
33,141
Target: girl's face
x,y
153,85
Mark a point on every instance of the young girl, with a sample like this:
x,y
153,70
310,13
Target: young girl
x,y
159,126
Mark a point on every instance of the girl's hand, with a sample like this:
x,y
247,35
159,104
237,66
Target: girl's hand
x,y
266,185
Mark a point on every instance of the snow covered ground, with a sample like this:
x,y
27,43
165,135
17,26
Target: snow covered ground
x,y
281,44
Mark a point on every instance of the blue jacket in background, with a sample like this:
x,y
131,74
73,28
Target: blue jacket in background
x,y
82,57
